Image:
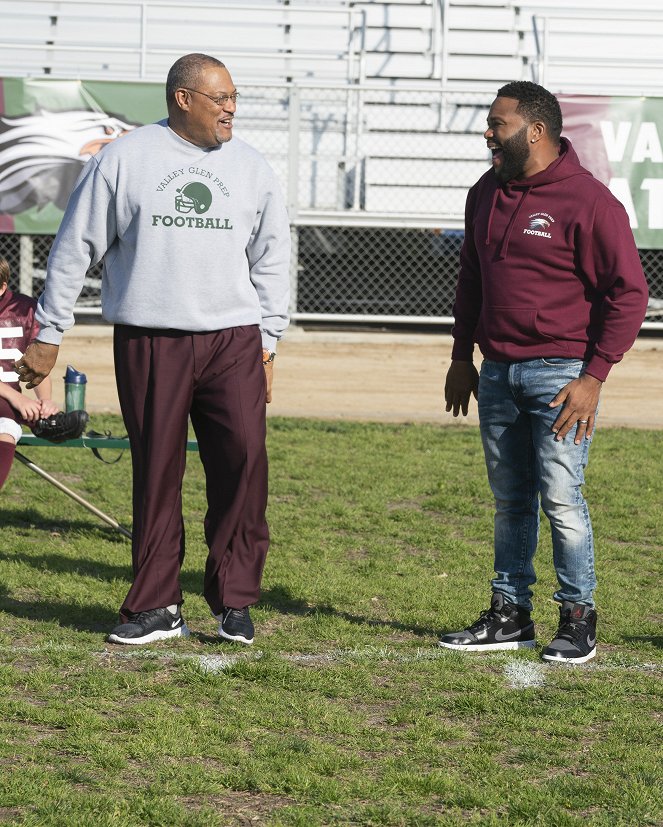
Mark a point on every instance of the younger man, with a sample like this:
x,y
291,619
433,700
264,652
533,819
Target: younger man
x,y
551,288
17,330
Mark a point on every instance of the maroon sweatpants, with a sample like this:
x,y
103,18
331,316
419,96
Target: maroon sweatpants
x,y
217,378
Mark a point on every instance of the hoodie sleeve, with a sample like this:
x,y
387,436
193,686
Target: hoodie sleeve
x,y
268,253
609,257
88,228
467,306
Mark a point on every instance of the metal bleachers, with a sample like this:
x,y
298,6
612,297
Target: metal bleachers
x,y
395,41
592,47
481,44
139,39
402,39
324,40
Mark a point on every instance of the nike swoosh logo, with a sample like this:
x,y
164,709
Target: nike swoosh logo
x,y
591,641
499,635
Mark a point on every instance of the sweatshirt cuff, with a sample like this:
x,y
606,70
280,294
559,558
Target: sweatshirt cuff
x,y
269,342
462,351
598,368
50,336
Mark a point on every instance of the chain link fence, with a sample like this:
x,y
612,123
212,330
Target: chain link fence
x,y
379,273
375,181
652,264
367,274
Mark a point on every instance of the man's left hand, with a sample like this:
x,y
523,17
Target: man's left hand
x,y
580,398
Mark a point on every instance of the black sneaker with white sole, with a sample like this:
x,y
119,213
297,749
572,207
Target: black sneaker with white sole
x,y
236,625
504,626
575,639
146,627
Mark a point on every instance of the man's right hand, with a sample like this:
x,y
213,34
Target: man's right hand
x,y
462,381
36,363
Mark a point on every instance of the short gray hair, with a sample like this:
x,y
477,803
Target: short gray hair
x,y
185,72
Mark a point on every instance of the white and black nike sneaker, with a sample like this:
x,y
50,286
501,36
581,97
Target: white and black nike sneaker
x,y
146,627
575,639
236,625
503,626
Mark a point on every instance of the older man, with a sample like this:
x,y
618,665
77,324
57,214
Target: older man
x,y
194,234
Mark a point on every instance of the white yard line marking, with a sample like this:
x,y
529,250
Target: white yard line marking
x,y
518,672
523,674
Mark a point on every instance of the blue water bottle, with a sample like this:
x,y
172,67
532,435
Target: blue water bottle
x,y
74,389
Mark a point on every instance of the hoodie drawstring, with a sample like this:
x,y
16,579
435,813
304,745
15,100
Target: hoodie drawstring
x,y
490,216
504,247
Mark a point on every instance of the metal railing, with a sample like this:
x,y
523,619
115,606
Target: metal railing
x,y
352,21
548,59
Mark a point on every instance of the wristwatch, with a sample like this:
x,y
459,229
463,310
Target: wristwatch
x,y
268,356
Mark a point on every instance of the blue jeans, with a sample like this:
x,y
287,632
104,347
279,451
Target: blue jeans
x,y
527,466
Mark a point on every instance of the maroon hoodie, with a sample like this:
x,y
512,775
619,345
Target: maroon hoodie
x,y
549,267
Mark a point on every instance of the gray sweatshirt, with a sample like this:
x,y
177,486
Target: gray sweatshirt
x,y
193,239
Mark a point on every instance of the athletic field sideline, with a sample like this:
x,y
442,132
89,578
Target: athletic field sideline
x,y
352,375
344,711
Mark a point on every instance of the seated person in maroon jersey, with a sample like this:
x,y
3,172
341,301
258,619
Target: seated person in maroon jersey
x,y
17,329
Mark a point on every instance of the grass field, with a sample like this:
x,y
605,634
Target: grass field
x,y
344,712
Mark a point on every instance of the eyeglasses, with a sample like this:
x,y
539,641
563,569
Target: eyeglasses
x,y
218,101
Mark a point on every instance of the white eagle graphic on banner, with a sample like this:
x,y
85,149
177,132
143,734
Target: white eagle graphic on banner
x,y
41,155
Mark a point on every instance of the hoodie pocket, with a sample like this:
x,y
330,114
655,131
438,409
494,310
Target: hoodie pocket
x,y
512,326
515,325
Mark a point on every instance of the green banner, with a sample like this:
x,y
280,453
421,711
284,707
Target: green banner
x,y
620,140
48,131
49,128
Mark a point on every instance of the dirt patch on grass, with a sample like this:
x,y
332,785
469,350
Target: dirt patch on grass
x,y
241,809
380,377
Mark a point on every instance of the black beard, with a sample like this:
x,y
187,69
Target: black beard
x,y
515,155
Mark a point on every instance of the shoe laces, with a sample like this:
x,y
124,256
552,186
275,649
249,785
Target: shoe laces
x,y
238,614
138,617
146,613
570,630
487,616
